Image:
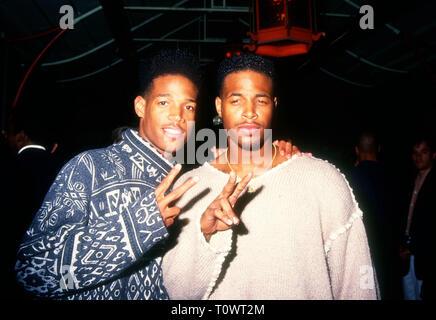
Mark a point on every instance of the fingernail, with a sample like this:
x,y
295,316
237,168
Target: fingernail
x,y
235,220
282,153
195,179
178,166
232,174
288,156
229,221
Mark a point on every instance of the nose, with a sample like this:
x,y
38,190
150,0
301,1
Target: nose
x,y
249,112
176,113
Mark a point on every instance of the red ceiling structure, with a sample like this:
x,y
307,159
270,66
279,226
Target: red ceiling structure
x,y
283,27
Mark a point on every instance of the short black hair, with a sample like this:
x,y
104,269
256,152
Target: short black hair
x,y
242,62
424,137
168,61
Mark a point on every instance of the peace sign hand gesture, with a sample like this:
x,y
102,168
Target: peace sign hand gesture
x,y
163,201
219,216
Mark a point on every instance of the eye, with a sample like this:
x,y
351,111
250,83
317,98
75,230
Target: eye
x,y
163,103
260,101
191,108
234,101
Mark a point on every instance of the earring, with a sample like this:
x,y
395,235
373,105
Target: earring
x,y
217,120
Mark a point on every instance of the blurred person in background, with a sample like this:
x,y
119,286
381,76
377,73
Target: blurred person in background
x,y
417,250
375,190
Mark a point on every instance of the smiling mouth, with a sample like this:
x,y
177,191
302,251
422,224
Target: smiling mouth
x,y
173,132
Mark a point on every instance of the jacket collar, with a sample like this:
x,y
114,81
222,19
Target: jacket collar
x,y
144,148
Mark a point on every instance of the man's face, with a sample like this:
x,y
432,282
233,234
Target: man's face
x,y
246,105
422,156
165,111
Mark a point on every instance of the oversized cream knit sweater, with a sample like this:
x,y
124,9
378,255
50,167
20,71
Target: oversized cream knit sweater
x,y
301,237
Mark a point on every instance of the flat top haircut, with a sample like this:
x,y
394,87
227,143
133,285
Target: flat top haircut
x,y
243,62
168,62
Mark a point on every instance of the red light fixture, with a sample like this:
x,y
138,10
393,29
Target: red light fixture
x,y
283,27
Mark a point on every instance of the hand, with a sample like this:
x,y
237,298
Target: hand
x,y
170,213
219,215
286,148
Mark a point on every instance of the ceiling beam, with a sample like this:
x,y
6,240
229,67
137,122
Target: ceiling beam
x,y
184,10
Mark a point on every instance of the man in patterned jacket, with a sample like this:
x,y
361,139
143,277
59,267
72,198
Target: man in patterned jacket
x,y
99,231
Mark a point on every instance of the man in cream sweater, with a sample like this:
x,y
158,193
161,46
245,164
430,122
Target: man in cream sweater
x,y
290,229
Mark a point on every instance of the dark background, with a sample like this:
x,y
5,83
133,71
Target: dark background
x,y
318,112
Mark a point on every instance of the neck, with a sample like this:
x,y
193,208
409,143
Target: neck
x,y
164,153
367,157
243,161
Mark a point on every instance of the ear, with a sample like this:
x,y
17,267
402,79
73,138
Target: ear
x,y
218,103
356,149
275,102
140,103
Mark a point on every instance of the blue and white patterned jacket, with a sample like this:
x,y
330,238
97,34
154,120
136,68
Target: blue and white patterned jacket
x,y
99,232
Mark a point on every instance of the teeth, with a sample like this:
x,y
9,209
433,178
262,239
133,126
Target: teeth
x,y
173,131
249,129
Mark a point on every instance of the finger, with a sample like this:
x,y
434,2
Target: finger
x,y
179,191
230,186
288,150
168,222
296,151
282,147
220,215
227,208
239,188
172,212
166,183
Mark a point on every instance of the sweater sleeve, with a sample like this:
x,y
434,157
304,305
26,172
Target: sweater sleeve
x,y
351,270
71,245
352,273
192,265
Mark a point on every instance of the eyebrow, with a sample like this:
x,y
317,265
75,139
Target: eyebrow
x,y
263,95
167,95
164,95
260,95
234,94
